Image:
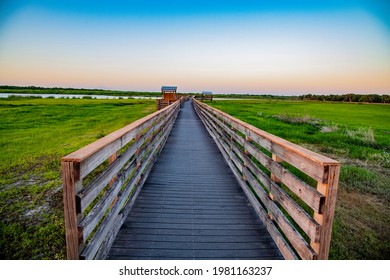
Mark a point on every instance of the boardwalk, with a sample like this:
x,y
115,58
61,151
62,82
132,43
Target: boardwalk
x,y
191,206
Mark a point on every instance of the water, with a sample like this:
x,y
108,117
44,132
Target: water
x,y
5,95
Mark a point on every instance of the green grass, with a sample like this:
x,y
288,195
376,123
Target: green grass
x,y
34,135
56,90
358,135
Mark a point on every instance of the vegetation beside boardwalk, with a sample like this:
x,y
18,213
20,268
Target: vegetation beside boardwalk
x,y
357,135
81,91
34,135
350,97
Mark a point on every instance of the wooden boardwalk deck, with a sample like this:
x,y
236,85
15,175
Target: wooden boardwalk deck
x,y
191,206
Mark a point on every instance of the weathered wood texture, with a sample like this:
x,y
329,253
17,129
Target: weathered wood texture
x,y
267,183
94,211
191,206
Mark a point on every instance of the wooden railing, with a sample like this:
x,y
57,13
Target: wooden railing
x,y
202,97
298,217
161,103
102,180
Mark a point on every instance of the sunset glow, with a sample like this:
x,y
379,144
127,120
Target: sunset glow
x,y
227,48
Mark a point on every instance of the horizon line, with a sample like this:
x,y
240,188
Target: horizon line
x,y
186,92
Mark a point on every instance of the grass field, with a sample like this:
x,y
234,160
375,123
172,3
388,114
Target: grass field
x,y
34,135
358,135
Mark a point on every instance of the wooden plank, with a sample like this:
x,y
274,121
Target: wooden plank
x,y
70,178
189,245
109,240
310,196
129,205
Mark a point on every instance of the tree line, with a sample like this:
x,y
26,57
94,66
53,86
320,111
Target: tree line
x,y
350,97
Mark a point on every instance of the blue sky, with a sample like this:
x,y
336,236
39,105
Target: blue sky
x,y
276,47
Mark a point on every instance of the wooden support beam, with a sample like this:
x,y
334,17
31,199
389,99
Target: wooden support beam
x,y
329,190
70,182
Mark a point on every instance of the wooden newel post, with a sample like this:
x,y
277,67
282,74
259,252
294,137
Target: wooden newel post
x,y
329,189
70,183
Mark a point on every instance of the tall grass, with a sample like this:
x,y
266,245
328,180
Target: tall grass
x,y
365,134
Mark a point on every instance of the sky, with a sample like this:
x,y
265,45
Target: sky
x,y
255,47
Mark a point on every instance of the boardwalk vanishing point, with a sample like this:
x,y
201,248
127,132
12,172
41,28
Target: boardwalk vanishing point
x,y
192,182
191,206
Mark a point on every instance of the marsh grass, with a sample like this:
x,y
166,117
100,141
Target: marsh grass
x,y
365,134
297,118
34,134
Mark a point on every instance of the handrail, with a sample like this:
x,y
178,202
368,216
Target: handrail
x,y
95,206
278,196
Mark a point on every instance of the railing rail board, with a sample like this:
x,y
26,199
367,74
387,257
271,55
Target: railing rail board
x,y
284,217
305,160
110,194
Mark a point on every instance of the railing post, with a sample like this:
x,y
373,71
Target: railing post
x,y
279,160
273,176
70,185
325,219
112,158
